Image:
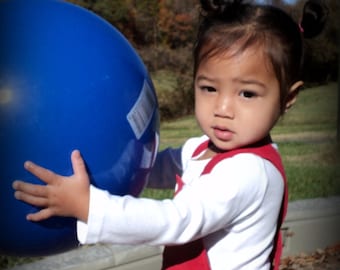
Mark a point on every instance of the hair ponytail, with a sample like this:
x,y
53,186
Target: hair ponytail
x,y
224,10
218,6
314,17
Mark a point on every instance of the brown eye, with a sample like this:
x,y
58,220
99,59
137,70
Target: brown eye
x,y
208,88
247,94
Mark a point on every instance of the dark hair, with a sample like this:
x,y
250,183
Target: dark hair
x,y
315,13
223,23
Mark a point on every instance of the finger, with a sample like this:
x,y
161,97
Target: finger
x,y
41,215
31,189
33,200
45,175
78,164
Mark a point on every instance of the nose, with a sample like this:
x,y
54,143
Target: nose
x,y
224,107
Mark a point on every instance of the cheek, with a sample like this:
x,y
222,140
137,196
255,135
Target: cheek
x,y
203,105
277,110
198,112
263,115
199,104
201,111
271,116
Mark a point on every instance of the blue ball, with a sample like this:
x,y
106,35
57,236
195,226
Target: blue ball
x,y
68,80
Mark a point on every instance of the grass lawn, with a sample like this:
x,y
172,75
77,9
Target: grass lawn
x,y
306,137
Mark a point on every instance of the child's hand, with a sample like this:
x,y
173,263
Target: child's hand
x,y
62,196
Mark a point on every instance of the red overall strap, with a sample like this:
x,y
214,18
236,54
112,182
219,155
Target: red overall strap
x,y
202,147
193,255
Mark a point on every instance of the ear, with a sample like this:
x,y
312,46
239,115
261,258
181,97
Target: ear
x,y
292,95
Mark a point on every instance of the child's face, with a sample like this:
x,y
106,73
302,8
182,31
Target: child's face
x,y
237,98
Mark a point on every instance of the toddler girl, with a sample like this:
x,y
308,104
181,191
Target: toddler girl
x,y
231,197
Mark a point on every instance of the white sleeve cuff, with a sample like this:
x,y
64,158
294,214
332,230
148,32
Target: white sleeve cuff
x,y
89,233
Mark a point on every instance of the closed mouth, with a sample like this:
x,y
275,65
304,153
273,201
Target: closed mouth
x,y
220,128
222,133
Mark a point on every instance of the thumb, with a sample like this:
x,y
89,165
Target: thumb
x,y
78,165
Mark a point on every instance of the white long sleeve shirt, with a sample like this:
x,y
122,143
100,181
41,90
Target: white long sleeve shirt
x,y
234,208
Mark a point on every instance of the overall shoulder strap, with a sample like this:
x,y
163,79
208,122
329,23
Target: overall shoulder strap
x,y
200,148
266,151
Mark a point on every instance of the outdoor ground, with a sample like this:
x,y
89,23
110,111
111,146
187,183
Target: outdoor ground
x,y
321,259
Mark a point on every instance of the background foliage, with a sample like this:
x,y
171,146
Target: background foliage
x,y
163,32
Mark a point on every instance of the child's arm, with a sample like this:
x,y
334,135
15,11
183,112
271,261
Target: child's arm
x,y
167,165
61,196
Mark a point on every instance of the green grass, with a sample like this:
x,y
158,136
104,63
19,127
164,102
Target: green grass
x,y
175,133
306,137
315,110
307,140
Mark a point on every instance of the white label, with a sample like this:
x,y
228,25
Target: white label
x,y
141,113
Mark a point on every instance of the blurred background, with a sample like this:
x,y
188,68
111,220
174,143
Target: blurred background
x,y
163,32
